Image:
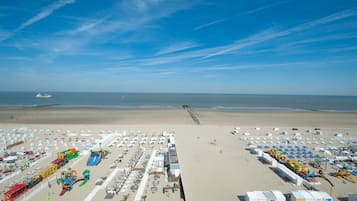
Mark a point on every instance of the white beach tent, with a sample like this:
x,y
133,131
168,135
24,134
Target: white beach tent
x,y
301,195
317,196
255,196
305,195
265,196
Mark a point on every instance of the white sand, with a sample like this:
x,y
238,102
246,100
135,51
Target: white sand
x,y
214,164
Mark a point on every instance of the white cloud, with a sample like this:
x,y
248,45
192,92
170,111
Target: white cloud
x,y
255,10
133,15
45,12
177,47
87,26
269,35
208,24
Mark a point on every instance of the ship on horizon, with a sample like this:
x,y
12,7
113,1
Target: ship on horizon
x,y
43,95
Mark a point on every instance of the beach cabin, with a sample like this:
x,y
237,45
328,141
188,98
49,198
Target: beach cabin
x,y
305,195
173,166
301,196
264,196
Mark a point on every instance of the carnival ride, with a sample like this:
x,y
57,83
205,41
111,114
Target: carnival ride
x,y
69,177
20,188
96,157
346,174
297,167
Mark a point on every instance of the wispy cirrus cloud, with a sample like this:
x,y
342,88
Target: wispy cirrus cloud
x,y
132,15
202,26
269,34
188,55
87,26
44,13
313,40
176,47
264,7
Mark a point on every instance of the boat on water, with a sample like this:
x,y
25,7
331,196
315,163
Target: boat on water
x,y
43,95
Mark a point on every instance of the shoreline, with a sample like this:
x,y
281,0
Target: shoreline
x,y
150,108
174,117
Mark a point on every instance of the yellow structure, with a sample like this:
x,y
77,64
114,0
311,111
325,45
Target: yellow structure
x,y
47,171
345,174
61,155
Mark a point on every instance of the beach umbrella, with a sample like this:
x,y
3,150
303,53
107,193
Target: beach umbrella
x,y
274,146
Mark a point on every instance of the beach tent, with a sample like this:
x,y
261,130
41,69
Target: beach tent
x,y
264,196
305,195
301,195
320,195
316,195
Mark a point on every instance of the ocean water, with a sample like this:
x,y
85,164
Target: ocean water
x,y
219,102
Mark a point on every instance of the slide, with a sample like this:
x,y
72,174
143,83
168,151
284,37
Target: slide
x,y
94,159
83,182
63,192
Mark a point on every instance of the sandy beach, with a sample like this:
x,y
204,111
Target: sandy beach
x,y
214,163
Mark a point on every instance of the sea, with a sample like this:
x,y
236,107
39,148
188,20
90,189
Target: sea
x,y
213,102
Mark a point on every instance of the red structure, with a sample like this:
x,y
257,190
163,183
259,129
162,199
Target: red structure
x,y
60,161
15,191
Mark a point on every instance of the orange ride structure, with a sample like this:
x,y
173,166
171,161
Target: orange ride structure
x,y
69,178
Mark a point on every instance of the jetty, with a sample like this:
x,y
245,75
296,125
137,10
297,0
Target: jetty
x,y
194,117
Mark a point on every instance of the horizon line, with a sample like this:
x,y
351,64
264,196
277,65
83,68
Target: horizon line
x,y
190,93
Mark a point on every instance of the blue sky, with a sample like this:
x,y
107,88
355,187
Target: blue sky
x,y
262,46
